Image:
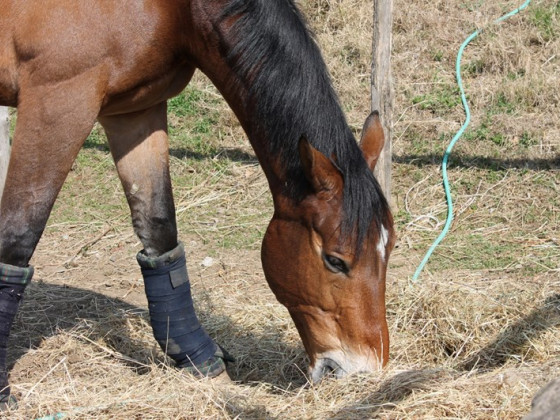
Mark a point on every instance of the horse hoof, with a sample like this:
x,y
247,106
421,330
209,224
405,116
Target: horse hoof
x,y
214,368
8,402
223,379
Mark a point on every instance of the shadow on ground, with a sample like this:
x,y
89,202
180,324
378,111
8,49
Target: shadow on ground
x,y
234,154
49,310
511,343
231,154
480,162
392,391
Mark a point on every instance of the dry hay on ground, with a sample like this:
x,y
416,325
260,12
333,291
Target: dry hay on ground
x,y
475,339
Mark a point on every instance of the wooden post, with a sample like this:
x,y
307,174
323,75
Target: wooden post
x,y
381,86
4,146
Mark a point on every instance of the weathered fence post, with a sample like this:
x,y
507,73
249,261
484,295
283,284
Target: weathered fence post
x,y
546,403
4,146
381,85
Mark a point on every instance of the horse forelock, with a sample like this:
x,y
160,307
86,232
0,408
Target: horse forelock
x,y
290,95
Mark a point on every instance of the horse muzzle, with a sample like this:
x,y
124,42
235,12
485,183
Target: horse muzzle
x,y
339,364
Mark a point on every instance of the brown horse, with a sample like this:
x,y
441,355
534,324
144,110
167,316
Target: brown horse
x,y
65,64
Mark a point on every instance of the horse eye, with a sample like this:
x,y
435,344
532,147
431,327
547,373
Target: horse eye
x,y
335,264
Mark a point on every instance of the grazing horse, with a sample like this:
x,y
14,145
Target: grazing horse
x,y
65,64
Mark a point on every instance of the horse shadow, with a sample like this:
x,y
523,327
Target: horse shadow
x,y
224,153
476,161
49,310
511,343
233,154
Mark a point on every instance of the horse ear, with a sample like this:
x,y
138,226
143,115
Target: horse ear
x,y
373,139
322,174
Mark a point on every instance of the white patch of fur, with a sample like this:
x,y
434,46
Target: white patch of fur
x,y
347,363
382,242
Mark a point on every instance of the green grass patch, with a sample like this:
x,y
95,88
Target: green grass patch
x,y
442,99
193,124
438,55
501,105
97,139
527,139
473,68
186,103
545,18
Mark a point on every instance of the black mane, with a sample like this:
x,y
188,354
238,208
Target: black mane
x,y
290,94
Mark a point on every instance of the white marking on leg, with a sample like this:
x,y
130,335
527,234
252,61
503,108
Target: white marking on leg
x,y
134,188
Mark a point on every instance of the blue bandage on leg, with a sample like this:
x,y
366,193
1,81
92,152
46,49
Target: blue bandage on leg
x,y
13,281
173,318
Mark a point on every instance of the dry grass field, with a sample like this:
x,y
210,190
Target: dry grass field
x,y
474,339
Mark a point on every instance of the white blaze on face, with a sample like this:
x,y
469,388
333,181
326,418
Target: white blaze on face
x,y
382,242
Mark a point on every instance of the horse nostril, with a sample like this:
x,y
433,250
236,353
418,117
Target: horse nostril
x,y
327,367
332,368
327,370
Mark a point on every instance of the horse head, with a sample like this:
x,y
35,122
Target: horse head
x,y
332,283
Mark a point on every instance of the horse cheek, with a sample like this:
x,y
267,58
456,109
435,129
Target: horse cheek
x,y
278,254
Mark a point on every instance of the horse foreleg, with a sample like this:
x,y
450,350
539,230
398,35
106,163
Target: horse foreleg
x,y
139,146
52,124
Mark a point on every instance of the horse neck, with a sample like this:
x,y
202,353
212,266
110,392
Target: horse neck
x,y
235,94
275,139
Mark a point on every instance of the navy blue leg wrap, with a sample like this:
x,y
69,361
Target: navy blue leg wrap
x,y
174,321
13,281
